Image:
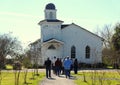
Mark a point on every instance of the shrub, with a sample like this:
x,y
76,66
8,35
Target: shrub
x,y
99,65
17,65
84,65
115,66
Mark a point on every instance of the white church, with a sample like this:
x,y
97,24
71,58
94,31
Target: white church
x,y
61,40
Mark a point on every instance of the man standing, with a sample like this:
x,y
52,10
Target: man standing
x,y
48,68
67,66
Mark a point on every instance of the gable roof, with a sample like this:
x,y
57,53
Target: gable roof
x,y
83,29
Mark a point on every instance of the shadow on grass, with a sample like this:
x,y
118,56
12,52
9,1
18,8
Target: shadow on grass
x,y
32,78
27,83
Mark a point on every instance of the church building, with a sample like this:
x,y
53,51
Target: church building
x,y
62,40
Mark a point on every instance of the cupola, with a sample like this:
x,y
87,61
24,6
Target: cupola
x,y
50,12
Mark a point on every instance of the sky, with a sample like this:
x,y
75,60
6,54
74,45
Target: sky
x,y
21,17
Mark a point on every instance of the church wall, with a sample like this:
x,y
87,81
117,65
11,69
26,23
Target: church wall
x,y
74,35
49,31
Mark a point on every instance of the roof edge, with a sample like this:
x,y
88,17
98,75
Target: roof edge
x,y
53,40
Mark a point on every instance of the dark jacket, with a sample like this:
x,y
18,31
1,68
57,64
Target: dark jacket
x,y
58,63
48,63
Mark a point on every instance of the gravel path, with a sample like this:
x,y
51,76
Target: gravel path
x,y
55,80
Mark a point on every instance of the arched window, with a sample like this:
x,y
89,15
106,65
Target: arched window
x,y
73,52
87,52
51,47
51,15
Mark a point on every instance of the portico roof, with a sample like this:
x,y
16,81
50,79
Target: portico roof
x,y
53,41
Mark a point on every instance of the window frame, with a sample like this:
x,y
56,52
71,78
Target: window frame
x,y
52,47
87,52
73,52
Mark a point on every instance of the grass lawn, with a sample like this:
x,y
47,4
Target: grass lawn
x,y
9,67
97,78
8,78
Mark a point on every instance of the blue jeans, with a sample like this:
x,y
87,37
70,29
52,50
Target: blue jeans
x,y
58,71
67,73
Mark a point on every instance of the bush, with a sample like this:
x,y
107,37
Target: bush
x,y
84,65
115,66
2,65
37,66
97,65
17,65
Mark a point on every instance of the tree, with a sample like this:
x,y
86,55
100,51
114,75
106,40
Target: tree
x,y
107,34
116,45
26,62
116,38
8,45
35,52
107,52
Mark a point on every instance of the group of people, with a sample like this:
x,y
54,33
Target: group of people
x,y
60,66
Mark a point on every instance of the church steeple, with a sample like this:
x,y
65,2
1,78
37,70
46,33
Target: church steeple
x,y
50,26
50,12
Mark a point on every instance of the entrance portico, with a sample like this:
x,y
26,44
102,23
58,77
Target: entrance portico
x,y
52,48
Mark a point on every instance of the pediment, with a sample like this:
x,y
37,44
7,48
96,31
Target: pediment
x,y
53,41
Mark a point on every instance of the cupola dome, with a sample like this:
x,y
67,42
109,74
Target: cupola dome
x,y
50,6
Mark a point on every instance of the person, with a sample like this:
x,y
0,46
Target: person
x,y
67,66
71,67
75,66
53,65
63,70
48,68
58,65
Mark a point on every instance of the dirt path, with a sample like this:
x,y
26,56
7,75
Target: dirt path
x,y
55,80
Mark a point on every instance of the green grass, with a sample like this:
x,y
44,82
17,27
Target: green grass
x,y
8,78
96,78
110,67
9,67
